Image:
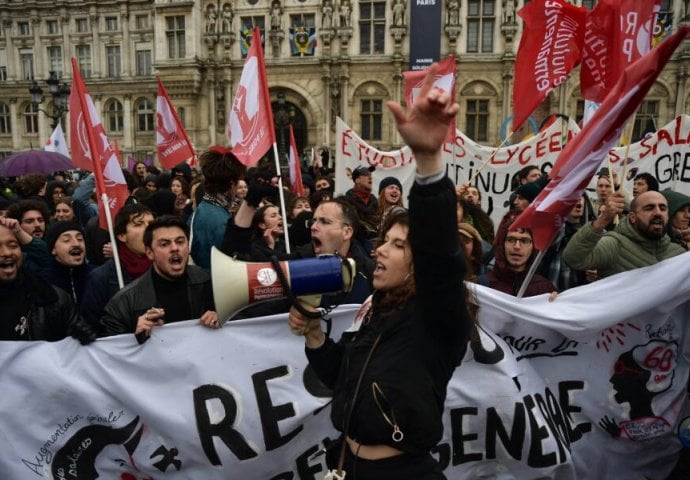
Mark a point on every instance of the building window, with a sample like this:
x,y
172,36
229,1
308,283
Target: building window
x,y
176,36
303,20
372,27
3,64
645,120
112,55
371,117
143,62
579,111
589,4
24,28
111,24
82,25
26,60
31,119
477,120
84,60
145,115
114,114
248,23
53,27
141,22
5,119
182,115
55,59
480,26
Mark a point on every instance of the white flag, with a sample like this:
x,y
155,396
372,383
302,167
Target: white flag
x,y
57,143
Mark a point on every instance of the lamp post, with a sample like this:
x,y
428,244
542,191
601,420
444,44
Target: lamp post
x,y
60,94
283,117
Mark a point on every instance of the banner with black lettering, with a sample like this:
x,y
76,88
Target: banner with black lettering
x,y
664,153
590,386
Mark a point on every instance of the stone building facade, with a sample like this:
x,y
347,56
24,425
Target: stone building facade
x,y
195,47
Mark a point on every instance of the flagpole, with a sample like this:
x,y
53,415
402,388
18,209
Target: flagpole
x,y
113,242
282,197
530,273
488,160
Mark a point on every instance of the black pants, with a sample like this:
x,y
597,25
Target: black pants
x,y
401,467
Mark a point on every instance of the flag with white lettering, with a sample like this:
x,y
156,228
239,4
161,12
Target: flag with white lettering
x,y
172,142
582,156
91,149
550,48
617,33
250,124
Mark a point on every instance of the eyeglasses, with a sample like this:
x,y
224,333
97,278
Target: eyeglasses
x,y
525,242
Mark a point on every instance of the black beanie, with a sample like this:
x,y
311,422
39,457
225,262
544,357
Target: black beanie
x,y
387,182
58,228
528,191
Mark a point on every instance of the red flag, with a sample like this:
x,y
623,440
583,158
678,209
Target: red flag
x,y
580,159
444,80
250,126
617,33
91,148
118,155
549,50
295,168
174,146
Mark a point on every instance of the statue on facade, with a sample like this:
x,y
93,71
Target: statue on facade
x,y
226,18
344,14
327,14
211,18
399,13
276,15
509,12
453,9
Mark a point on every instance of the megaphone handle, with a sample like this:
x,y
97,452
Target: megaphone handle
x,y
311,301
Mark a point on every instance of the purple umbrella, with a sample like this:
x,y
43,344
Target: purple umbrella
x,y
34,161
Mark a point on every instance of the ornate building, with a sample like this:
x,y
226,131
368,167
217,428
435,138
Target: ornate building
x,y
196,48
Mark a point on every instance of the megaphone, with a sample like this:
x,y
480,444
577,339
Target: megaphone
x,y
237,284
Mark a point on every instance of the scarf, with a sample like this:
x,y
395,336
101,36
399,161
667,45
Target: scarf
x,y
133,263
218,200
363,194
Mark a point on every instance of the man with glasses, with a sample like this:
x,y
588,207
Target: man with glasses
x,y
512,263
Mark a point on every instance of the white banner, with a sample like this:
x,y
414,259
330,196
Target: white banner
x,y
594,383
661,154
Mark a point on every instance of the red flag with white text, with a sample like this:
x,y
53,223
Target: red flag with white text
x,y
582,156
617,33
173,144
444,80
295,168
550,48
250,123
91,149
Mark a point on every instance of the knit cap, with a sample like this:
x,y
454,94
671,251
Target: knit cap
x,y
58,228
387,182
528,191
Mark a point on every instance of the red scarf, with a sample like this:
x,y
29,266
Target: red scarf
x,y
133,263
365,195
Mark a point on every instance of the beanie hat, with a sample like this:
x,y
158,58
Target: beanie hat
x,y
387,182
161,202
676,201
58,228
308,181
184,169
528,191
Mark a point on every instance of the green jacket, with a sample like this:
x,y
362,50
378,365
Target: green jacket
x,y
617,251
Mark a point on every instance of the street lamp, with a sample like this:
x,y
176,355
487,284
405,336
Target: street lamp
x,y
60,94
283,117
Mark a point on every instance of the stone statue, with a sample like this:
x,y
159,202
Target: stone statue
x,y
276,16
226,18
509,12
453,8
399,13
345,14
327,14
211,17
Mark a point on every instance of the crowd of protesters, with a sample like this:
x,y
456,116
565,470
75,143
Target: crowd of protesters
x,y
60,277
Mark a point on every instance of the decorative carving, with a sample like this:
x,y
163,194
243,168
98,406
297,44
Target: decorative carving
x,y
327,14
509,12
453,12
226,18
276,15
211,19
344,14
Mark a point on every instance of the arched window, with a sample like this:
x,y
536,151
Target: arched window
x,y
114,114
145,115
31,118
5,119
